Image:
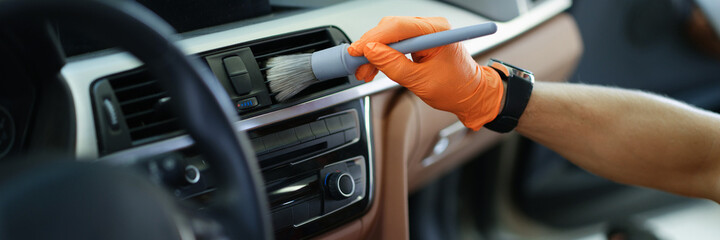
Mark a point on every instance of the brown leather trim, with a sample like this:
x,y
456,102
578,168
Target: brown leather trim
x,y
551,51
349,231
702,34
370,223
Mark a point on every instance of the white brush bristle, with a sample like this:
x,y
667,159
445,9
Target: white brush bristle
x,y
290,74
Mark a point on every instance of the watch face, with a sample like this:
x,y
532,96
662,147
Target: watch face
x,y
511,70
7,132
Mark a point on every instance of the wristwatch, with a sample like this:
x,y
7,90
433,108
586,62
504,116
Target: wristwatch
x,y
519,86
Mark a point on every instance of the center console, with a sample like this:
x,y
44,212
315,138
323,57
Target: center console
x,y
317,164
317,169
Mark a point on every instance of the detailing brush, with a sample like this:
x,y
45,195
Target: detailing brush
x,y
290,74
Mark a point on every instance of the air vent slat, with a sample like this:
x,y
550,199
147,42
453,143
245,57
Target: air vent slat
x,y
292,49
138,114
138,95
151,125
139,85
157,95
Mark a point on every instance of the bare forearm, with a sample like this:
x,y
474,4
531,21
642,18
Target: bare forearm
x,y
628,136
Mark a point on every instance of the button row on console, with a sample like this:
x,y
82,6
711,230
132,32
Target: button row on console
x,y
297,214
306,132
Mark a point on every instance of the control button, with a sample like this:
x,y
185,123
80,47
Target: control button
x,y
168,169
238,73
282,218
304,133
318,128
355,171
333,124
335,140
234,65
287,137
315,207
351,134
258,145
192,174
301,213
242,83
348,120
111,114
340,185
271,142
246,103
359,187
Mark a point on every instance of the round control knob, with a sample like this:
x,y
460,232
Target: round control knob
x,y
192,174
340,185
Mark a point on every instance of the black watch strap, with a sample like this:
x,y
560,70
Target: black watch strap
x,y
519,87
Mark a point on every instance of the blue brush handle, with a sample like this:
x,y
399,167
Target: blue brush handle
x,y
437,39
432,40
336,61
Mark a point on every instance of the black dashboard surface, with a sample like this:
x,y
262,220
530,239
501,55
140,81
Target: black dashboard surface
x,y
183,15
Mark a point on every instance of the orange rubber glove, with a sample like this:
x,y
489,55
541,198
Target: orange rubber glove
x,y
446,78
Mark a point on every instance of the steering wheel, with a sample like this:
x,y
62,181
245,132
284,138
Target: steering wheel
x,y
73,200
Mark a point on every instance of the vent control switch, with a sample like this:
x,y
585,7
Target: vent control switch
x,y
246,103
238,74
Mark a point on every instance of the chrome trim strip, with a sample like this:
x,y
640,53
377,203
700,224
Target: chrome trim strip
x,y
197,174
378,85
370,190
354,17
130,156
449,136
325,152
340,189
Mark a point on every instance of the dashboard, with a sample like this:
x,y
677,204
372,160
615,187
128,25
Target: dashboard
x,y
80,73
333,156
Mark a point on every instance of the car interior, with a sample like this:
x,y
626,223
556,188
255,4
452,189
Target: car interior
x,y
153,119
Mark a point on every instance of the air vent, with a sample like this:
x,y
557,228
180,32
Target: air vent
x,y
135,100
307,42
254,56
142,104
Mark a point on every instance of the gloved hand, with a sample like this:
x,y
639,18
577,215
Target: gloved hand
x,y
446,78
